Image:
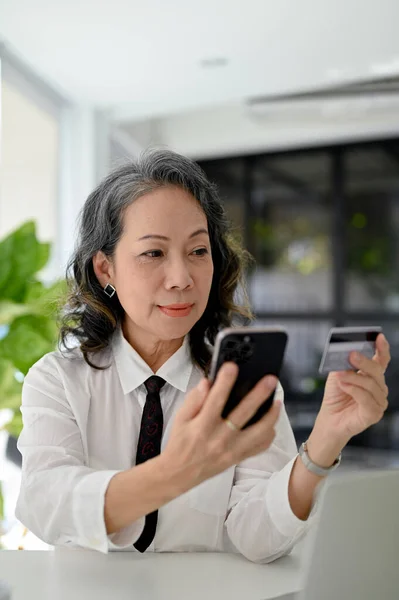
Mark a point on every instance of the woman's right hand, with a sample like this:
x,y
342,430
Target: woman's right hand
x,y
202,445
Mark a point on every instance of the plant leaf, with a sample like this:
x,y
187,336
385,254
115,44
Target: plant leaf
x,y
28,339
10,310
46,300
22,256
14,427
6,247
10,388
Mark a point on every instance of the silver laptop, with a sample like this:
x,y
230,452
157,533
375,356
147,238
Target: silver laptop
x,y
353,551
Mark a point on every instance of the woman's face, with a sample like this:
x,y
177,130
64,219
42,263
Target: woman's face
x,y
162,268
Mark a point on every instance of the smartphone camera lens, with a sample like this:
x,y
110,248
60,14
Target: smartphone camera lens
x,y
246,351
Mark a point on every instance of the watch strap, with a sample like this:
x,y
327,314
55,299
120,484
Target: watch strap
x,y
312,467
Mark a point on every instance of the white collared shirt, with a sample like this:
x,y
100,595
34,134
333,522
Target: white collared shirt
x,y
81,427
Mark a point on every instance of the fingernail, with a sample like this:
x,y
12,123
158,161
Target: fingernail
x,y
270,381
356,357
230,369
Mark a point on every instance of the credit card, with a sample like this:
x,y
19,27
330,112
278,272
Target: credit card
x,y
342,341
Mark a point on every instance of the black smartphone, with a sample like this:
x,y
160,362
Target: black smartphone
x,y
258,351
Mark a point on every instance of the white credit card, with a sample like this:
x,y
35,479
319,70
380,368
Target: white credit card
x,y
342,341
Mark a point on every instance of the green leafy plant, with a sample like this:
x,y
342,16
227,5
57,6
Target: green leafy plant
x,y
28,314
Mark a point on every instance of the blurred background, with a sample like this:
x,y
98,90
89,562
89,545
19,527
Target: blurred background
x,y
292,108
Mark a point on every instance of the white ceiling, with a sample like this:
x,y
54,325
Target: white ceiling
x,y
142,59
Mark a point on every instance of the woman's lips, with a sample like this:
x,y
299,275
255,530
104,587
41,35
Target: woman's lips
x,y
176,310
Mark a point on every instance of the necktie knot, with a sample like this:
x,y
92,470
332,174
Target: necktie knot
x,y
154,384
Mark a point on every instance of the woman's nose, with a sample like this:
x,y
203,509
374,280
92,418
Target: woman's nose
x,y
178,275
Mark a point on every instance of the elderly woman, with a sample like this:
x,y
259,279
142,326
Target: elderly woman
x,y
123,442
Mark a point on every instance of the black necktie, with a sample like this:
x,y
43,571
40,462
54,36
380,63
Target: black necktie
x,y
149,445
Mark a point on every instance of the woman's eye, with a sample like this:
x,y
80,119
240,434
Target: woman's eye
x,y
200,251
153,253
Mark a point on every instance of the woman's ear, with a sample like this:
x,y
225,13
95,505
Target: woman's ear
x,y
103,268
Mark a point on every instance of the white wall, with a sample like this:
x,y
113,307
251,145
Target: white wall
x,y
29,164
52,156
84,160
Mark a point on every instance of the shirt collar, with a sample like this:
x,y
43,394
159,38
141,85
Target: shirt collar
x,y
133,371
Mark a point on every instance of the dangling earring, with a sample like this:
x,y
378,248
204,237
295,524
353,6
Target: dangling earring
x,y
109,290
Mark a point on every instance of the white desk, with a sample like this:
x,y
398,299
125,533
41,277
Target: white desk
x,y
84,575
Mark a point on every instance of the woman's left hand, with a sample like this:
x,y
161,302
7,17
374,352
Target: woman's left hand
x,y
353,401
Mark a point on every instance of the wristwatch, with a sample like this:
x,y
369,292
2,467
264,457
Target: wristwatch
x,y
311,466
